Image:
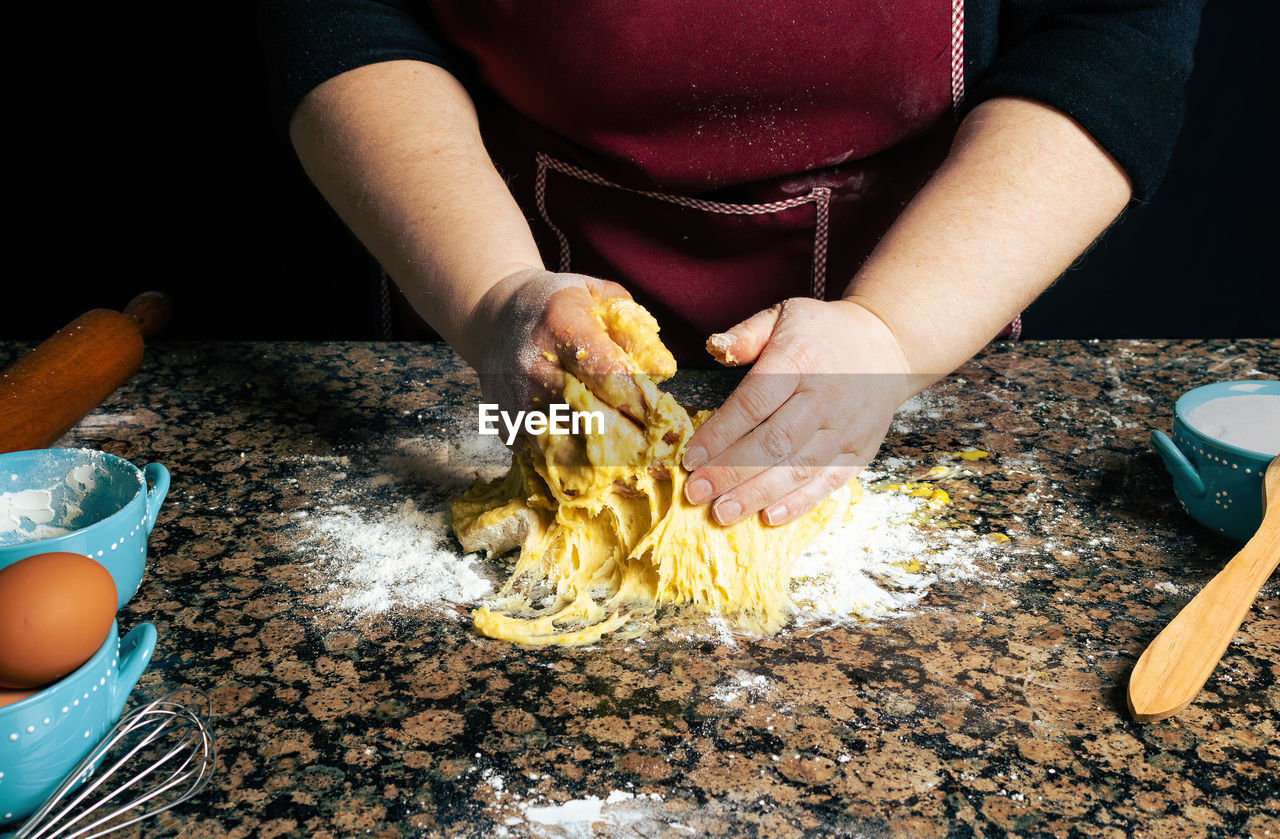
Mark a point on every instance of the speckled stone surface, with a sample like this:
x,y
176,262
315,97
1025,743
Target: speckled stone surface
x,y
995,710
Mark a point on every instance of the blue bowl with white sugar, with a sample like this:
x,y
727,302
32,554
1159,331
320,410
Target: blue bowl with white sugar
x,y
1224,436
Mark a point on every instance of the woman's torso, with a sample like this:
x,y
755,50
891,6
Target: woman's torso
x,y
714,157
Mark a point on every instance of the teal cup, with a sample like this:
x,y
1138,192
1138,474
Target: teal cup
x,y
80,501
1218,452
44,737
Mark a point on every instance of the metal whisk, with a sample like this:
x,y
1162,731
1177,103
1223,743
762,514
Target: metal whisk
x,y
161,754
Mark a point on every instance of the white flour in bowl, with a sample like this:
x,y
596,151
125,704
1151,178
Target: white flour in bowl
x,y
33,506
55,509
1247,421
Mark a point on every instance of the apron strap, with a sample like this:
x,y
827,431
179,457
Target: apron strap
x,y
819,196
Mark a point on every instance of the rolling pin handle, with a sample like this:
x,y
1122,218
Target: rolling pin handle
x,y
151,311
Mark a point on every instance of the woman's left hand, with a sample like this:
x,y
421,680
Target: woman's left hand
x,y
811,413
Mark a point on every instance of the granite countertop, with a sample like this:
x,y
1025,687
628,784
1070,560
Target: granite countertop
x,y
995,707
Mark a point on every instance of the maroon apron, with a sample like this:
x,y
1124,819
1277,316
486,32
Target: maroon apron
x,y
712,156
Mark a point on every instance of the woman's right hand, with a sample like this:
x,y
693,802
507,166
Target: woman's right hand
x,y
535,326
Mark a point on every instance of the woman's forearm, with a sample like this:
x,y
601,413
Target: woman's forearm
x,y
1022,193
395,148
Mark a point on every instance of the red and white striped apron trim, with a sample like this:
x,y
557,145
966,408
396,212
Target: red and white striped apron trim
x,y
819,196
385,326
957,53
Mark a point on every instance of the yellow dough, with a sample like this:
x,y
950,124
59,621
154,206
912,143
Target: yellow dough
x,y
604,532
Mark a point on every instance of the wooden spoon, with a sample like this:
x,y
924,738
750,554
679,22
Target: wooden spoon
x,y
1183,656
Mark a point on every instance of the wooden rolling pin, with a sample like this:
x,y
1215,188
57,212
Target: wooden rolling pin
x,y
48,390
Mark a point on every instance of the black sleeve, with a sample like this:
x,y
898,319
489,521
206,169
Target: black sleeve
x,y
1118,67
306,42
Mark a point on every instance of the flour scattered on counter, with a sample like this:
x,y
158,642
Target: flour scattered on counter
x,y
924,408
618,813
99,420
401,558
637,813
381,537
881,559
582,810
447,462
380,542
751,685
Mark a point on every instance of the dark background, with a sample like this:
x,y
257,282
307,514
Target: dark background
x,y
145,158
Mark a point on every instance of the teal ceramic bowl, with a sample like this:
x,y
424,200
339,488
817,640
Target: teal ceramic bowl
x,y
1217,481
80,501
44,736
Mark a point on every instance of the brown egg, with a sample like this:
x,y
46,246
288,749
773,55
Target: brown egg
x,y
8,697
56,609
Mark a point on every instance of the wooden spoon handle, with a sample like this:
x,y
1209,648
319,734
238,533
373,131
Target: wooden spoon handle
x,y
1183,656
